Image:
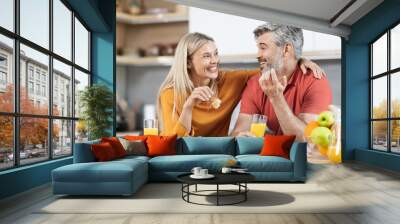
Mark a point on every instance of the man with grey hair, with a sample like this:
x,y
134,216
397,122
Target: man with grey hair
x,y
289,99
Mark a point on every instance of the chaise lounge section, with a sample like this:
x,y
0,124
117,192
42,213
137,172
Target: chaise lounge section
x,y
88,177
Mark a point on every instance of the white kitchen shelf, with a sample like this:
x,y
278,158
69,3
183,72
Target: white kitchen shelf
x,y
145,61
225,59
151,19
323,55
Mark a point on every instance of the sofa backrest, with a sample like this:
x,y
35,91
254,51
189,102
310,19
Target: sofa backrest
x,y
191,146
206,145
83,152
247,145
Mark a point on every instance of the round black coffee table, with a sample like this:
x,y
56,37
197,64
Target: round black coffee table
x,y
238,179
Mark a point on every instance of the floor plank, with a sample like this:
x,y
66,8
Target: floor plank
x,y
376,189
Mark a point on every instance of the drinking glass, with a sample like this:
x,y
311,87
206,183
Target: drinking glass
x,y
150,127
258,125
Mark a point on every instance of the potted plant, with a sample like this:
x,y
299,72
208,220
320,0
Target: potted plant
x,y
96,103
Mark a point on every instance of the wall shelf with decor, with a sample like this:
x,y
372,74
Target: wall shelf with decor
x,y
148,32
144,61
128,60
151,19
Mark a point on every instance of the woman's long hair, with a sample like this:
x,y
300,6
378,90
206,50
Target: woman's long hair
x,y
178,76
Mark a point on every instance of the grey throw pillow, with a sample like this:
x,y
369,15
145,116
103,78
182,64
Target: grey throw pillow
x,y
137,147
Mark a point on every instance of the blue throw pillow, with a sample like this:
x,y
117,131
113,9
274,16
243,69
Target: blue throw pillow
x,y
249,145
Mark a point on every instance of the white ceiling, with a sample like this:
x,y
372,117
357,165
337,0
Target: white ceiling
x,y
324,16
322,9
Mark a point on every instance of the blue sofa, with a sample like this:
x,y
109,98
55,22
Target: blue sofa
x,y
125,176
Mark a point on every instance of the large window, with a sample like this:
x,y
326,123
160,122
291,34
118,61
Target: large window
x,y
7,14
44,64
385,93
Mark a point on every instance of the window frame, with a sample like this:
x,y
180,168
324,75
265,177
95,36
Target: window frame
x,y
16,114
388,74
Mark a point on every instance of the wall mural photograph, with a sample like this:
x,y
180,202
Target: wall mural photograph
x,y
206,111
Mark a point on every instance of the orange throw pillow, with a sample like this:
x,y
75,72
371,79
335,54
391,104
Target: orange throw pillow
x,y
103,152
135,137
277,145
116,145
161,145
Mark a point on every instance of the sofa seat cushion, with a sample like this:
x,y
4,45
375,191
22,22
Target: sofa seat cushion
x,y
257,163
185,163
112,171
133,158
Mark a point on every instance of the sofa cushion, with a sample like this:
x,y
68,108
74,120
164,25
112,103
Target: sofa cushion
x,y
134,147
136,137
112,171
116,145
103,152
249,145
185,163
206,145
277,145
131,158
257,163
161,145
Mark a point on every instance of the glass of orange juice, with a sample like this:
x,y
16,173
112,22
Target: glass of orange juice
x,y
150,127
258,125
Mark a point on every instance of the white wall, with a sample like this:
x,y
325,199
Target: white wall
x,y
234,34
314,41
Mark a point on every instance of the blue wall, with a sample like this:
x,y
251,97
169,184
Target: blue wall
x,y
99,16
355,73
103,54
24,178
380,159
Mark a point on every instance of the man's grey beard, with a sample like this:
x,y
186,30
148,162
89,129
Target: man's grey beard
x,y
276,66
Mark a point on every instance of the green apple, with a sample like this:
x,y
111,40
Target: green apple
x,y
321,136
326,119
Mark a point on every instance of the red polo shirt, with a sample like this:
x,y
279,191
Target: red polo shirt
x,y
303,94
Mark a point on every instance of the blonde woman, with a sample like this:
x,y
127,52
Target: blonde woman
x,y
196,98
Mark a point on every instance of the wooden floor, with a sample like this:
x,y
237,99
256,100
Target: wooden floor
x,y
377,188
